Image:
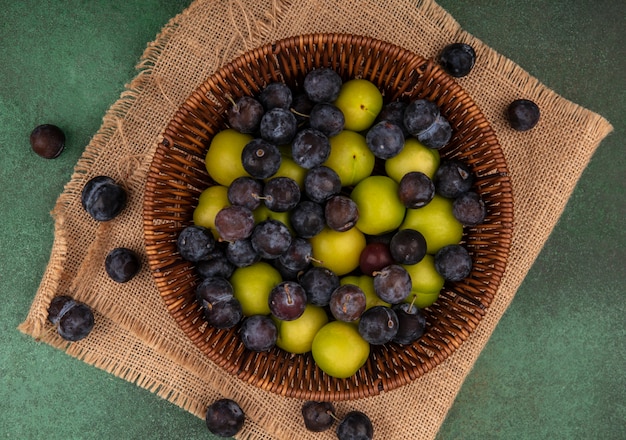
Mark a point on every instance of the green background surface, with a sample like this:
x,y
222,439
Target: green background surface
x,y
554,367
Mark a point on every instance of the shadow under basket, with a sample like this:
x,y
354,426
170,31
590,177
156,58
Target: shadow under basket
x,y
178,175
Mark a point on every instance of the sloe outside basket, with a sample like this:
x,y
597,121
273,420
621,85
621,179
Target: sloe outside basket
x,y
177,176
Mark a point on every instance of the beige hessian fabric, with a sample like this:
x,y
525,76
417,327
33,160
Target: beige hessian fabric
x,y
135,338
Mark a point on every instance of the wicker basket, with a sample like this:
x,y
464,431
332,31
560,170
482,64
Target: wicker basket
x,y
178,175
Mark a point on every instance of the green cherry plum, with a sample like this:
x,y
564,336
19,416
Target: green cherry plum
x,y
350,157
211,201
223,159
252,285
338,251
436,222
380,209
360,101
415,156
339,350
296,336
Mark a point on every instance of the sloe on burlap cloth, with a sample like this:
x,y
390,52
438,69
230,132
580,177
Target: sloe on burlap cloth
x,y
136,339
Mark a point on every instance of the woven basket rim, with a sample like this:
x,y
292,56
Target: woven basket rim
x,y
176,177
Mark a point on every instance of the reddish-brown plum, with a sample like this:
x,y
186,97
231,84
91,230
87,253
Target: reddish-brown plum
x,y
374,257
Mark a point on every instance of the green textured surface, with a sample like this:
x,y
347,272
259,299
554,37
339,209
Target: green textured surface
x,y
554,367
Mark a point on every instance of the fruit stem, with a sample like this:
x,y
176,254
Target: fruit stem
x,y
288,292
332,414
315,260
232,101
293,110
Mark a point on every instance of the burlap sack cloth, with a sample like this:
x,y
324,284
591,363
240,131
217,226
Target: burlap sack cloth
x,y
136,339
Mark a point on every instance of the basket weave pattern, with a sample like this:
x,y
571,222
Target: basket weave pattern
x,y
178,175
